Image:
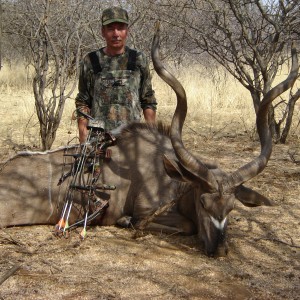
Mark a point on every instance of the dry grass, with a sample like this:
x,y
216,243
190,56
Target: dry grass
x,y
20,126
217,105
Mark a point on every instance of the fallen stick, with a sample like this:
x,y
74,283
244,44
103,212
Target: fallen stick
x,y
9,273
144,222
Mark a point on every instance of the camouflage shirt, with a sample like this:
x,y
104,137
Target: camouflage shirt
x,y
115,95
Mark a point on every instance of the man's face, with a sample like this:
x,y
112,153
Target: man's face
x,y
115,35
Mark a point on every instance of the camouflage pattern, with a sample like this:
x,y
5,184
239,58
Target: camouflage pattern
x,y
114,14
116,95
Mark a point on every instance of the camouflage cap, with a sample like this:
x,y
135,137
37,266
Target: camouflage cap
x,y
114,14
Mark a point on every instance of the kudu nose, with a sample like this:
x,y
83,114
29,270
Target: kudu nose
x,y
221,251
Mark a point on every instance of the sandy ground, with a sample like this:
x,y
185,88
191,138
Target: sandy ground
x,y
264,242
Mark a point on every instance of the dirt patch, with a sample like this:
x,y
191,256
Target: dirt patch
x,y
263,261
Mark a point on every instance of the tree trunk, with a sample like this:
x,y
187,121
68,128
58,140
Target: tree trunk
x,y
272,123
288,124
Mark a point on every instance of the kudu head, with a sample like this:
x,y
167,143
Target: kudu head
x,y
215,191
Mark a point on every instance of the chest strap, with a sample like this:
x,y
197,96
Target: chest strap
x,y
95,62
131,64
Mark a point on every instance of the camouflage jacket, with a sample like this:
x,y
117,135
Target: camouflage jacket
x,y
115,95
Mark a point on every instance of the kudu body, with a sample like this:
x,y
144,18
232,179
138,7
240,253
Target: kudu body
x,y
29,193
150,167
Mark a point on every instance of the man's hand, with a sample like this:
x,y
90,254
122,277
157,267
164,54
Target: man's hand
x,y
83,131
82,124
149,115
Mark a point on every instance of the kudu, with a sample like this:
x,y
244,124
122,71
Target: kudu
x,y
150,167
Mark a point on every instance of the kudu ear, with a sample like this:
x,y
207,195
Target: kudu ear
x,y
175,170
178,172
251,198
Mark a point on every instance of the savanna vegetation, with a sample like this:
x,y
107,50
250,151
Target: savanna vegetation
x,y
210,98
212,42
228,54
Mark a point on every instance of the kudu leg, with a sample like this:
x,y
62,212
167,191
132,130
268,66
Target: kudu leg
x,y
169,224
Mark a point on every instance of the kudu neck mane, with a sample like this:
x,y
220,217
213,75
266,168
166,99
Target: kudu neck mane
x,y
136,128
